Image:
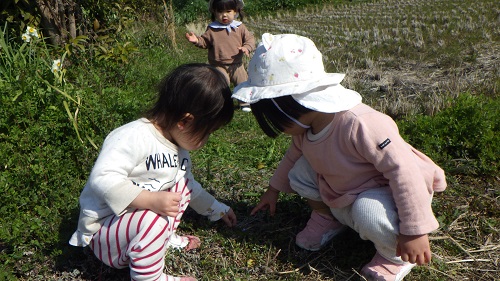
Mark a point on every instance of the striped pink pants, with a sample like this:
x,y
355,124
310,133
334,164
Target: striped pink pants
x,y
138,239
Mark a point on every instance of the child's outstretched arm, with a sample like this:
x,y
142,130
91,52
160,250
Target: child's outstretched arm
x,y
164,203
267,200
191,37
205,204
414,248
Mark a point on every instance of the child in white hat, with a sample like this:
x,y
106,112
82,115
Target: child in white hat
x,y
347,159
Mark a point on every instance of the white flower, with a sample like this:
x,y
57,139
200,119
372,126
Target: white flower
x,y
32,31
26,37
56,66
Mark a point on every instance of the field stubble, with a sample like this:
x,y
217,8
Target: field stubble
x,y
404,57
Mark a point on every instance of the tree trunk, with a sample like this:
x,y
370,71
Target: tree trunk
x,y
61,20
71,19
49,21
58,19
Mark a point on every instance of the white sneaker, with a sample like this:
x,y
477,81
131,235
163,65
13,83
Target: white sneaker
x,y
246,108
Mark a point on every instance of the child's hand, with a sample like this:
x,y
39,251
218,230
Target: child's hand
x,y
244,50
166,203
229,218
268,199
414,248
191,37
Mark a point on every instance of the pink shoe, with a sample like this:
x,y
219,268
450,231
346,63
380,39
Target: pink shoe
x,y
381,269
319,230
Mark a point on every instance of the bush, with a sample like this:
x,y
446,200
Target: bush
x,y
190,11
464,138
48,133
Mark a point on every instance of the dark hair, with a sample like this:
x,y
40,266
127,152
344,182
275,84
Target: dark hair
x,y
199,89
224,5
271,120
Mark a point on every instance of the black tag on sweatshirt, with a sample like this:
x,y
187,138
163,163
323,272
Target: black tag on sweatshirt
x,y
384,143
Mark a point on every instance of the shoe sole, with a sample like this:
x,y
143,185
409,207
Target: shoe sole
x,y
398,277
404,271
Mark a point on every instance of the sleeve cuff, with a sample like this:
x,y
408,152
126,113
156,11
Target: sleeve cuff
x,y
216,211
80,239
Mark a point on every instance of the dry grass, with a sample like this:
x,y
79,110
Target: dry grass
x,y
405,57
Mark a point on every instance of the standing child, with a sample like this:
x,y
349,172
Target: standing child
x,y
141,183
346,158
227,40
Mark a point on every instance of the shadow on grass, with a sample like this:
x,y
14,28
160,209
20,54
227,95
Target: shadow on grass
x,y
344,254
276,236
77,263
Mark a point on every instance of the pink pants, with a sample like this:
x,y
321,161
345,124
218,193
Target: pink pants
x,y
138,239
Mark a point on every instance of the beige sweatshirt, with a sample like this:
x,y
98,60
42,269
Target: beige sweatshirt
x,y
223,45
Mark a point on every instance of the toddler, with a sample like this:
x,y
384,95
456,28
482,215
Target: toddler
x,y
347,159
227,40
141,182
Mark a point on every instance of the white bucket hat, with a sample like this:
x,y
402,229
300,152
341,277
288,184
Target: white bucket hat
x,y
289,64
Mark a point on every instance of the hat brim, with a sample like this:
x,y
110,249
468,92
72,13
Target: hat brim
x,y
324,94
329,99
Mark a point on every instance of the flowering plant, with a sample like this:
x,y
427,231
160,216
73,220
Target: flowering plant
x,y
30,32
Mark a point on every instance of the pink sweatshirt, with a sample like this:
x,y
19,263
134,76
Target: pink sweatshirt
x,y
362,150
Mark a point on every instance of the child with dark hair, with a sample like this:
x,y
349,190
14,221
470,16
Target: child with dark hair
x,y
227,40
347,159
141,182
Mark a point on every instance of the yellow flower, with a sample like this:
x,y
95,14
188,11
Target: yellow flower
x,y
26,37
32,31
56,66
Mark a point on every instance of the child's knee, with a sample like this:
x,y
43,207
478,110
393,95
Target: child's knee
x,y
373,216
148,241
303,180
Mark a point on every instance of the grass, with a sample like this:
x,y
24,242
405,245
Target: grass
x,y
405,57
